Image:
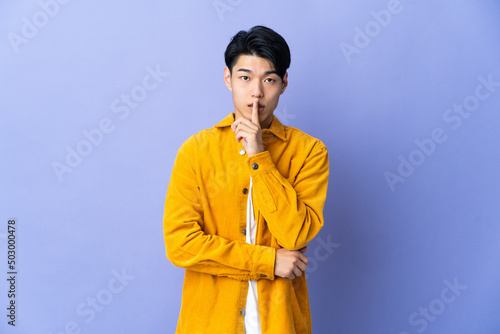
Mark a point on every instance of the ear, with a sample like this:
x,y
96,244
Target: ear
x,y
284,84
227,78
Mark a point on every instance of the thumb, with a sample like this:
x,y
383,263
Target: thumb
x,y
303,249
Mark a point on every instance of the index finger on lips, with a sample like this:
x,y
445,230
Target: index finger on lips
x,y
255,112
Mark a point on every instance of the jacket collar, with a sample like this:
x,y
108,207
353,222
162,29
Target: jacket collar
x,y
276,127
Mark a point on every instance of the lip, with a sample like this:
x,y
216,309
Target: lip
x,y
261,107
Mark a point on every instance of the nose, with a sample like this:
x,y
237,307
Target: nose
x,y
257,89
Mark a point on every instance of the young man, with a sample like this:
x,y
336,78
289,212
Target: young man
x,y
244,200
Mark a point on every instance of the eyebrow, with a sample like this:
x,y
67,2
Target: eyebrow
x,y
250,71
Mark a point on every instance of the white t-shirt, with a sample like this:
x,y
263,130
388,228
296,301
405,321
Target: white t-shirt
x,y
252,318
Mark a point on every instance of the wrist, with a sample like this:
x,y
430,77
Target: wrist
x,y
256,151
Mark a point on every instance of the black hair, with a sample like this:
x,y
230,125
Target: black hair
x,y
262,42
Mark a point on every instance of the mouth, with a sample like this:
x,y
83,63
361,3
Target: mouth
x,y
260,107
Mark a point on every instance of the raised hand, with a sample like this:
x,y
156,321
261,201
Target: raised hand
x,y
249,132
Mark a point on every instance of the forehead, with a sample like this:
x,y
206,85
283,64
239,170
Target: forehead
x,y
255,64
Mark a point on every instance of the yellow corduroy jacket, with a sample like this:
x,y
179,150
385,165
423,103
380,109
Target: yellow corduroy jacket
x,y
205,220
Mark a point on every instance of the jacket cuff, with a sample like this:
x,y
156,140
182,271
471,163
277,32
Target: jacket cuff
x,y
263,266
260,163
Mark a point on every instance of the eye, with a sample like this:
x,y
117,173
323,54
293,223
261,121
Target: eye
x,y
244,78
269,80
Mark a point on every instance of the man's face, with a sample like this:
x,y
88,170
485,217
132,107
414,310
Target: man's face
x,y
255,78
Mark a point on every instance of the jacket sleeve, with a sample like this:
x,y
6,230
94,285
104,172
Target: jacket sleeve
x,y
188,246
293,212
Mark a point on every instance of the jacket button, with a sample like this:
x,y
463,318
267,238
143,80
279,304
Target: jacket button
x,y
245,191
242,312
244,232
242,152
255,166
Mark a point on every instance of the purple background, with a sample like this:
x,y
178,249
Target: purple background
x,y
385,258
